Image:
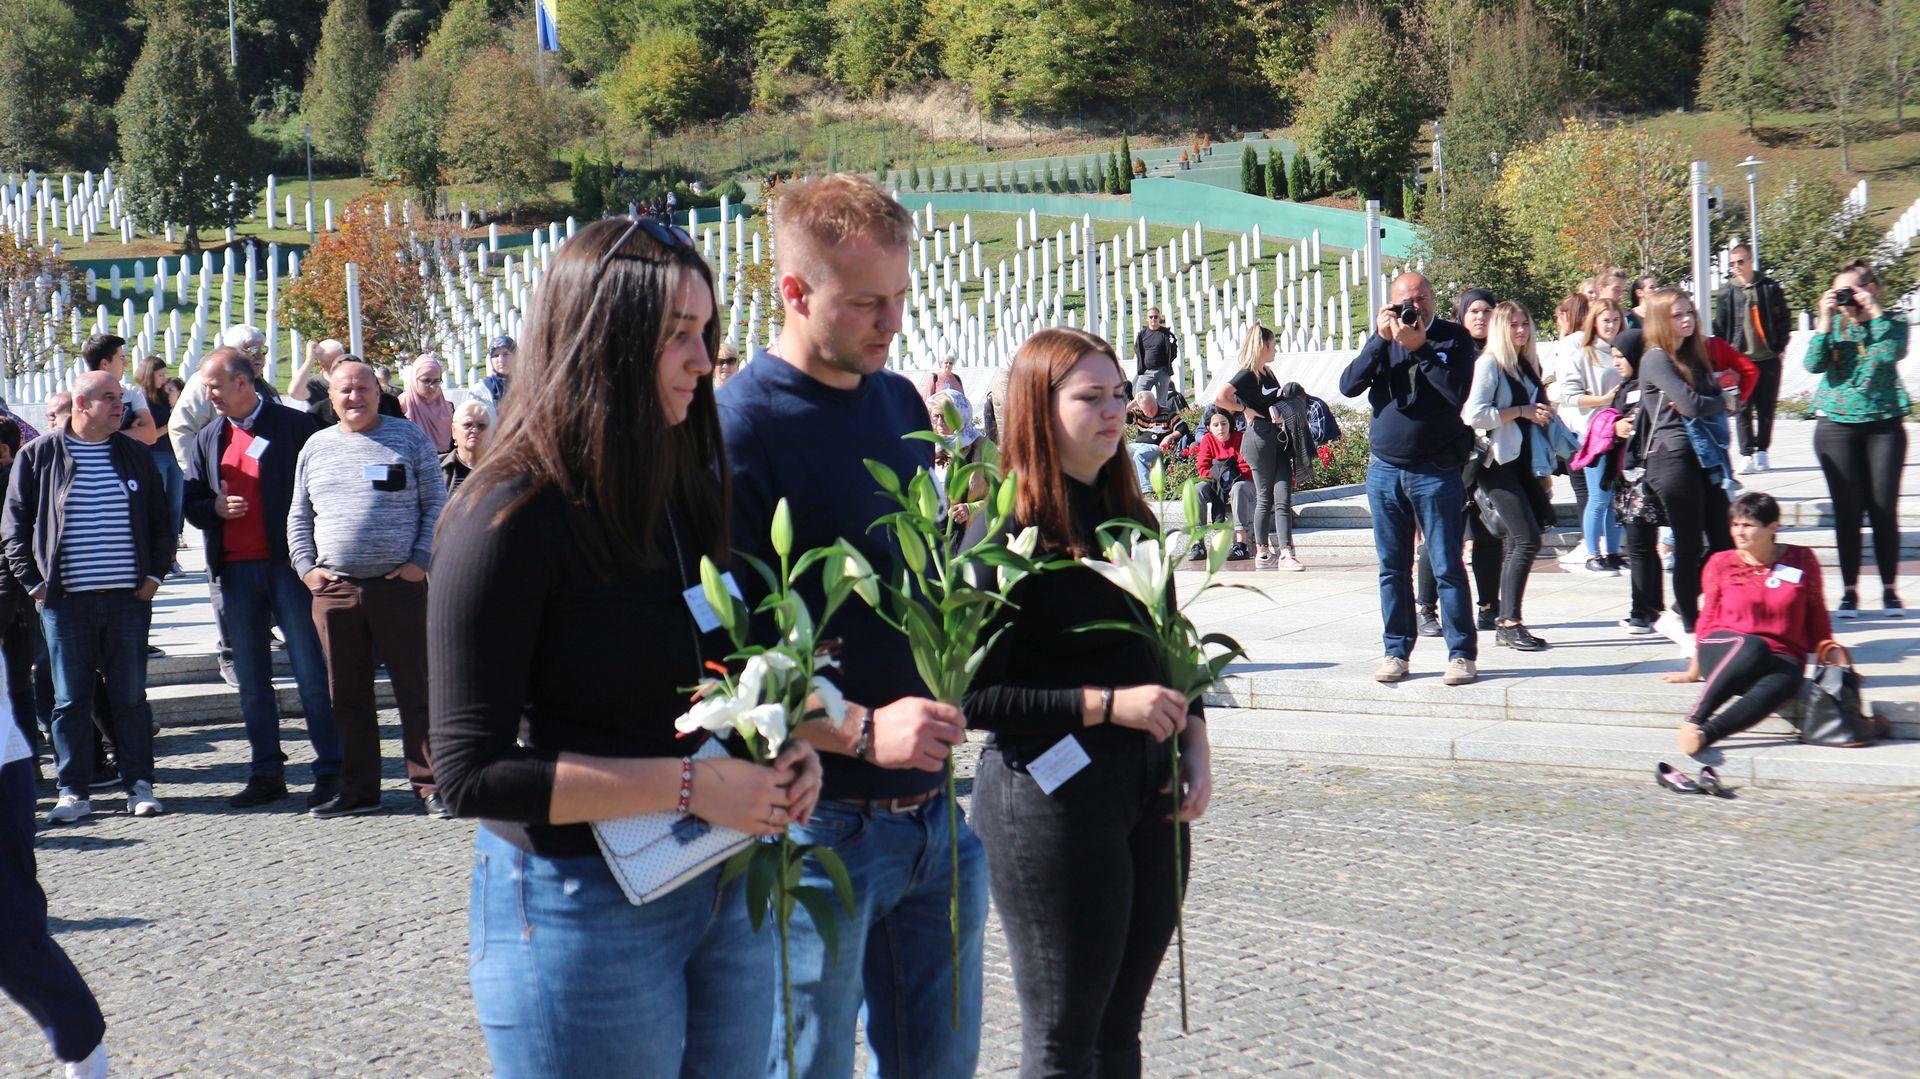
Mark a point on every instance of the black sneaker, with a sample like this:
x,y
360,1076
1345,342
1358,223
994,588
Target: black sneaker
x,y
342,806
1239,553
1488,618
1849,605
258,792
1429,622
1637,625
1890,605
1517,638
1196,553
1617,561
1600,567
325,789
436,807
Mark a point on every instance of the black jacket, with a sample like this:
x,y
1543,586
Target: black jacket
x,y
1730,317
36,509
1416,396
286,431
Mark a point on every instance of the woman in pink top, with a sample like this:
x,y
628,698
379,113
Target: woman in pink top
x,y
1761,613
942,378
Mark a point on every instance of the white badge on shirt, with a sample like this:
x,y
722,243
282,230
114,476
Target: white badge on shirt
x,y
704,615
373,473
257,448
1785,574
1059,764
1633,397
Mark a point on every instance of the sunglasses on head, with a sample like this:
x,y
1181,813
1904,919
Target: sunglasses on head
x,y
665,235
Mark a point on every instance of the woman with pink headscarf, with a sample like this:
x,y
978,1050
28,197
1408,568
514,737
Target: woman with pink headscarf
x,y
425,404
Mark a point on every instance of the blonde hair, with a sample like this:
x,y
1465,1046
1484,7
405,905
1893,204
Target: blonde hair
x,y
728,353
1500,341
466,409
817,215
1590,329
1257,340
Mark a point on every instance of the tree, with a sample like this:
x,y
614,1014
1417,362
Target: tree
x,y
1472,240
1809,230
1837,66
397,320
465,29
30,331
1126,165
1512,88
1360,113
1283,33
184,141
589,187
409,124
1116,183
666,81
1902,38
1746,64
879,44
1300,177
499,126
1253,179
40,81
344,82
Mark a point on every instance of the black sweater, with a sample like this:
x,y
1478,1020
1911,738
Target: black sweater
x,y
1028,691
530,656
1416,396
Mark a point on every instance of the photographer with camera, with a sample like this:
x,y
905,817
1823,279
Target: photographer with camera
x,y
1415,370
1859,440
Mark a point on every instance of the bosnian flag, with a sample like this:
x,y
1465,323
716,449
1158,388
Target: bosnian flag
x,y
549,24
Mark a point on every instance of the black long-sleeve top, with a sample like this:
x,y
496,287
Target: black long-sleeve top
x,y
1660,373
532,656
1028,690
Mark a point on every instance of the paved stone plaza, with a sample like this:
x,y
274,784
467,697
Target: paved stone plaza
x,y
1343,920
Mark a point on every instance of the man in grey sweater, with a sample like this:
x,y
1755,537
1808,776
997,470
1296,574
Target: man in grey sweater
x,y
366,496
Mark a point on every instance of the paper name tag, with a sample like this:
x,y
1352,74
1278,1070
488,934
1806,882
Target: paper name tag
x,y
374,473
1789,574
257,448
704,615
1059,764
1633,397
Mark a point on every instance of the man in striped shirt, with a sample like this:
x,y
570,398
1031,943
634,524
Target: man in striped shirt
x,y
88,534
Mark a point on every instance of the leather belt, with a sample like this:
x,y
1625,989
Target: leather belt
x,y
892,805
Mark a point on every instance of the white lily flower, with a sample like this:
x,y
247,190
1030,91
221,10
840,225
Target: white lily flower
x,y
769,721
831,700
714,712
1140,572
758,674
1024,543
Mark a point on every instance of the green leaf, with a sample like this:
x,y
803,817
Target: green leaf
x,y
884,476
820,908
737,865
782,531
761,875
836,871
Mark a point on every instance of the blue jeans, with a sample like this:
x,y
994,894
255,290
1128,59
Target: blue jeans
x,y
1600,527
104,632
1431,497
1143,455
258,594
892,966
173,484
569,978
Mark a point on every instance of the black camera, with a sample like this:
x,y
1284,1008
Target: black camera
x,y
1843,297
1408,312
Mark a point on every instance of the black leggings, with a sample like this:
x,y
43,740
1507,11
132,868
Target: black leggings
x,y
1697,512
1741,668
1755,422
1862,463
1083,880
1504,485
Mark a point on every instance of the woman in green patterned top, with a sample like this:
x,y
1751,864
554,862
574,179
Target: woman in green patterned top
x,y
1860,439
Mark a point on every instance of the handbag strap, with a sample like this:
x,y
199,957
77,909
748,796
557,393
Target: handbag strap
x,y
1831,647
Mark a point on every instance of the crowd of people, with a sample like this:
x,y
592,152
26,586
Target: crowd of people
x,y
565,525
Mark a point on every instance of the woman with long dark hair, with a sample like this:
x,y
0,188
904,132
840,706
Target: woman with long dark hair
x,y
561,646
1861,438
1507,404
1083,876
1677,384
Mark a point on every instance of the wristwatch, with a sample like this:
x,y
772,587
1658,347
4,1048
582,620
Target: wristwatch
x,y
1106,704
861,748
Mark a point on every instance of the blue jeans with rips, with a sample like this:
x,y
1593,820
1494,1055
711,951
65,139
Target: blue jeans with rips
x,y
259,594
569,978
1430,496
891,966
104,632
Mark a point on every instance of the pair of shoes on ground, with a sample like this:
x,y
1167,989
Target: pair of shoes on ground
x,y
1890,605
1460,670
1285,561
1756,463
1237,553
1486,618
342,805
71,807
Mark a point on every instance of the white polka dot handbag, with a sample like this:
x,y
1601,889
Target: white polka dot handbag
x,y
651,854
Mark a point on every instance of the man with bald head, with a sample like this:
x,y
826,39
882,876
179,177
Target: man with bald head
x,y
366,495
87,532
238,491
1415,371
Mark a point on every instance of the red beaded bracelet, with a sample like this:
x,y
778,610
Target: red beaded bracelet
x,y
686,785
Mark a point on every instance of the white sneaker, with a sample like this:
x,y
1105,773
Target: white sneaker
x,y
1760,461
70,807
1289,564
142,803
1747,467
1263,558
94,1067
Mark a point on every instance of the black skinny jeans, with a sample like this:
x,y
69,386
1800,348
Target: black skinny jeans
x,y
1697,512
1084,883
1487,558
1504,485
1862,464
1740,664
1755,422
1644,576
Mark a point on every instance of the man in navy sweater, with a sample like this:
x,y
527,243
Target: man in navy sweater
x,y
1415,378
799,423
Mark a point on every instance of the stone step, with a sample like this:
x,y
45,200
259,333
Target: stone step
x,y
197,704
1758,759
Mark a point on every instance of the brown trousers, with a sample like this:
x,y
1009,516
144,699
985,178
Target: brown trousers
x,y
355,616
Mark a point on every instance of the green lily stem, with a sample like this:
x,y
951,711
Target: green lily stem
x,y
782,914
1179,887
953,892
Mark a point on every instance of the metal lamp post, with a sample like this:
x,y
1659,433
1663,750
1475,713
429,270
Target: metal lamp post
x,y
1752,167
